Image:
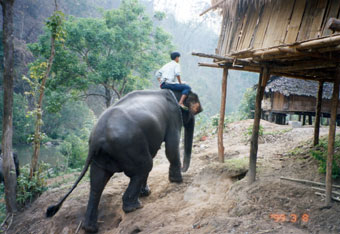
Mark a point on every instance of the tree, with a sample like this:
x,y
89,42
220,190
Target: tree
x,y
39,73
106,57
7,129
247,105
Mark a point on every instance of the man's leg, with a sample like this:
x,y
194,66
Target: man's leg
x,y
185,89
181,101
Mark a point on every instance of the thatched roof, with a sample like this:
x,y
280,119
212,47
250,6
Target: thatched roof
x,y
288,86
231,7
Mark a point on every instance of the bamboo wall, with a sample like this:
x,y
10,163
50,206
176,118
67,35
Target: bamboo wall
x,y
276,23
277,102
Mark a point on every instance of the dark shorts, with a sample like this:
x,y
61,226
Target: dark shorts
x,y
185,89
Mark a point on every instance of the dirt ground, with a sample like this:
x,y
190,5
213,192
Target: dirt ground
x,y
211,199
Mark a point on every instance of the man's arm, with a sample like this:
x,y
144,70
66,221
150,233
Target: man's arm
x,y
179,79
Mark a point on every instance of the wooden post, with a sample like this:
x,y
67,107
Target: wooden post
x,y
304,119
222,113
263,79
310,120
318,114
331,137
299,118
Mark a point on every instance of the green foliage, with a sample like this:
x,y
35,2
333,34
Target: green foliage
x,y
29,189
320,154
55,24
75,117
247,105
74,149
22,125
117,53
250,131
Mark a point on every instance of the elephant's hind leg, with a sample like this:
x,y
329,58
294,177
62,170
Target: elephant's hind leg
x,y
99,178
138,178
145,190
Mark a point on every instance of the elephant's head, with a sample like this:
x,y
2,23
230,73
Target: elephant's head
x,y
194,105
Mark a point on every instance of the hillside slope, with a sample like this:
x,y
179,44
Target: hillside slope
x,y
211,199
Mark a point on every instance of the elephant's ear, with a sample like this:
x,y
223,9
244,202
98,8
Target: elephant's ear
x,y
193,103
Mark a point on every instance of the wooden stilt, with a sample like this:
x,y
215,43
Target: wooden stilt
x,y
222,113
299,118
263,79
304,119
331,138
271,117
310,120
318,114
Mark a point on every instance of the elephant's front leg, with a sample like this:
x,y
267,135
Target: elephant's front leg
x,y
173,155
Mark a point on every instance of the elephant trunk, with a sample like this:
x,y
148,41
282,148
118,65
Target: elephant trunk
x,y
188,137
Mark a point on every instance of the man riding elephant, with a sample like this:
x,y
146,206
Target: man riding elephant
x,y
127,137
169,76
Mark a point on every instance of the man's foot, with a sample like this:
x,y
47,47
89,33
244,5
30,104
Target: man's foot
x,y
183,107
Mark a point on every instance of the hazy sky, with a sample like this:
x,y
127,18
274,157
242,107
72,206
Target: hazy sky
x,y
189,10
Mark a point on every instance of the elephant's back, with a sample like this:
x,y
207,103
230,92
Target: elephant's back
x,y
140,114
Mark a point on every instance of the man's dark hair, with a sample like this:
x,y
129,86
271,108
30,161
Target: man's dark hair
x,y
174,55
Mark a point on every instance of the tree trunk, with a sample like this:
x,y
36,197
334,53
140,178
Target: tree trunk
x,y
318,114
37,133
7,132
107,97
222,113
331,137
263,79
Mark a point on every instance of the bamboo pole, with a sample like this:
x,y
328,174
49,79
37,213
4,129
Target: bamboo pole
x,y
311,44
331,137
307,182
263,79
323,190
318,114
322,195
222,114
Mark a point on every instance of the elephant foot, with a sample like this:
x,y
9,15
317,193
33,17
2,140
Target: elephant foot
x,y
90,228
144,192
175,177
130,207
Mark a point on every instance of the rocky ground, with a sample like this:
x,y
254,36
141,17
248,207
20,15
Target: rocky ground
x,y
214,197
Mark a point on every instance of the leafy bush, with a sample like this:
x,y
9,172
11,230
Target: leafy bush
x,y
74,149
320,154
28,190
247,105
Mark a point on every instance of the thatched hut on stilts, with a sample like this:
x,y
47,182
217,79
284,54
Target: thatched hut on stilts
x,y
292,38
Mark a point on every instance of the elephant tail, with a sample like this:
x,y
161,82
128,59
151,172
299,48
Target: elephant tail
x,y
52,210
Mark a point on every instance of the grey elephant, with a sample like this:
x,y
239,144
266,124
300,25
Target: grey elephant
x,y
16,164
127,137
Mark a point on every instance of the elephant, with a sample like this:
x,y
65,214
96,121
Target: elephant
x,y
127,137
16,164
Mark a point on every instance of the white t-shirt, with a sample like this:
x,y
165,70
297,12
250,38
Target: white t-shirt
x,y
169,72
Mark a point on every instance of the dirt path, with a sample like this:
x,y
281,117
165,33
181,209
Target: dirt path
x,y
209,200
